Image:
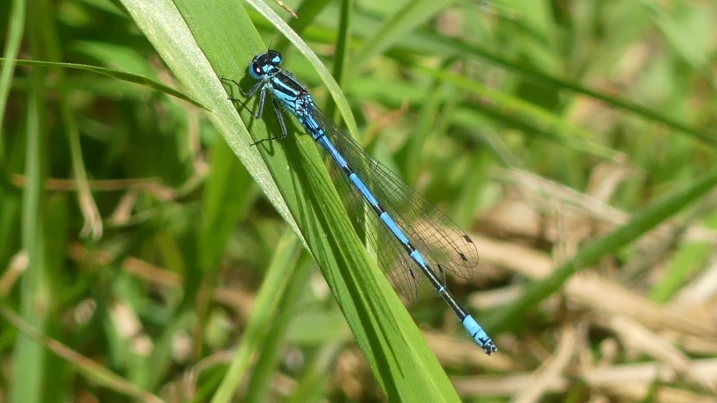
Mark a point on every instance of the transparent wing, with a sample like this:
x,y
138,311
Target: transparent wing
x,y
441,242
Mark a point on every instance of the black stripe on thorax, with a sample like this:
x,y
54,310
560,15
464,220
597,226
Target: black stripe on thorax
x,y
287,85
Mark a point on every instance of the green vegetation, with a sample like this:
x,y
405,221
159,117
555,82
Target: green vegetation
x,y
148,252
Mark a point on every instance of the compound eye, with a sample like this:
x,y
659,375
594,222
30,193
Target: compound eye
x,y
274,57
255,70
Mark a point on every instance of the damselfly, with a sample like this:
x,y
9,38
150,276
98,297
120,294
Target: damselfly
x,y
412,234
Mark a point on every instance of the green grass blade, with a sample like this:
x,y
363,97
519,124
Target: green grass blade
x,y
229,191
200,45
270,295
93,371
709,136
529,115
12,47
270,355
308,11
30,355
407,18
120,75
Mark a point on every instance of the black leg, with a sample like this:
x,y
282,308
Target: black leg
x,y
247,95
279,116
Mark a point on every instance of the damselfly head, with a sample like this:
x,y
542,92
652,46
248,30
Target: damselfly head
x,y
264,64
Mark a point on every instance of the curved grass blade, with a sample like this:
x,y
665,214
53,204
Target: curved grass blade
x,y
200,45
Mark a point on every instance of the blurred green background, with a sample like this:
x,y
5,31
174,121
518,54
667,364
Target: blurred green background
x,y
148,252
